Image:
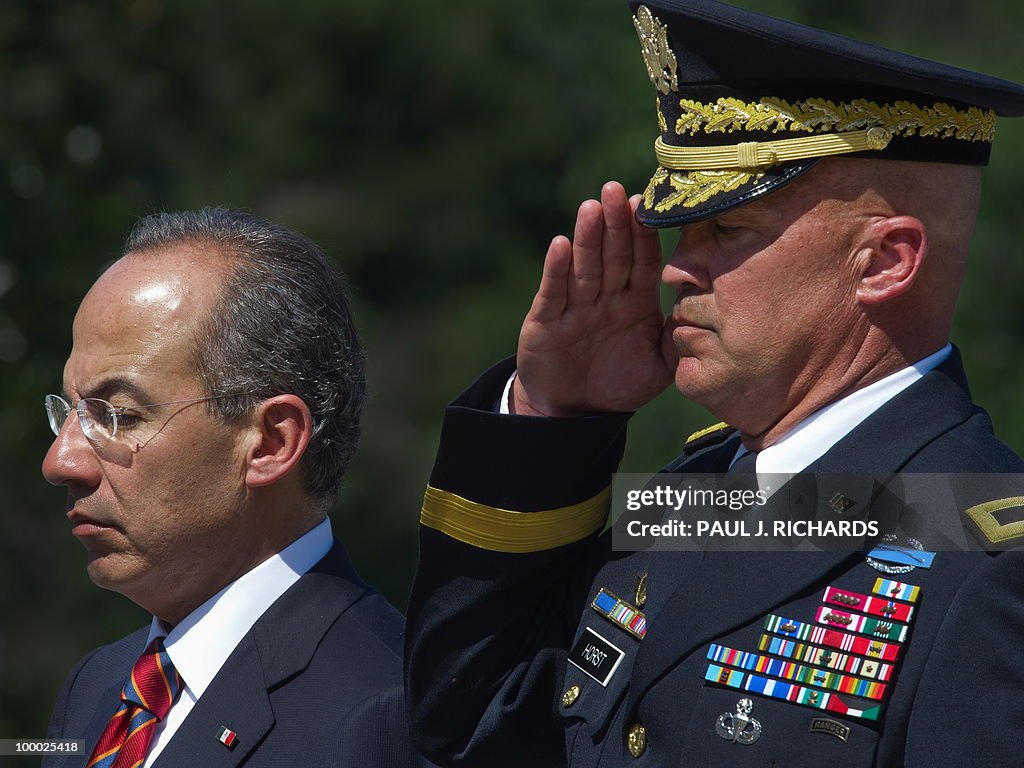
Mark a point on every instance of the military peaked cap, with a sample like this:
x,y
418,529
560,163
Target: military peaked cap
x,y
747,102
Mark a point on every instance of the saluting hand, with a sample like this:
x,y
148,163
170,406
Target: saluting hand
x,y
593,338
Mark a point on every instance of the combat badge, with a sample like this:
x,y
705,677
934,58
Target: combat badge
x,y
739,728
893,559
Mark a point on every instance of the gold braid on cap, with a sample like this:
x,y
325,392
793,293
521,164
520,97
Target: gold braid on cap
x,y
696,174
902,118
761,154
696,187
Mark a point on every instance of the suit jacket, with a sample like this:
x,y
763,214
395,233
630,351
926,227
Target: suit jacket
x,y
511,632
315,682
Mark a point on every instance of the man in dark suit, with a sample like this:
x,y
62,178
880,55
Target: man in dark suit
x,y
211,406
826,192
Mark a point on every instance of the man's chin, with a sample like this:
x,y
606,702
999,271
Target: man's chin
x,y
693,381
690,376
112,571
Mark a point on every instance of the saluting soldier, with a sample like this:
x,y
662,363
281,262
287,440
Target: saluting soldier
x,y
826,192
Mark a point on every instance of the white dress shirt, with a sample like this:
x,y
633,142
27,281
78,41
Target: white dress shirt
x,y
204,639
809,440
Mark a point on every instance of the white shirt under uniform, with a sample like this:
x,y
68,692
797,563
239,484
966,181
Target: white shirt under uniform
x,y
809,440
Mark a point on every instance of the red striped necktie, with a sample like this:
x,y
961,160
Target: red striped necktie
x,y
145,700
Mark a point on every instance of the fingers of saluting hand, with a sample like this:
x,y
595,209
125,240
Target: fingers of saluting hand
x,y
549,303
646,269
617,242
611,252
587,244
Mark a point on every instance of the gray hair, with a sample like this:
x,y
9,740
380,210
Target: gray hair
x,y
282,324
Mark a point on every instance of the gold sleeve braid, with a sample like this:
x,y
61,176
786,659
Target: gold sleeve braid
x,y
505,530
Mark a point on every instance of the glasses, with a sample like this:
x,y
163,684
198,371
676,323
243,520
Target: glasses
x,y
100,419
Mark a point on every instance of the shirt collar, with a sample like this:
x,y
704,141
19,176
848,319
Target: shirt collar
x,y
809,440
201,643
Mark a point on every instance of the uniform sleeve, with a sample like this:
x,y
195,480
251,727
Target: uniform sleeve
x,y
509,541
375,734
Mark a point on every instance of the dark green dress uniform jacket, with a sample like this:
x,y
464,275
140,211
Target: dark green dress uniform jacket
x,y
490,630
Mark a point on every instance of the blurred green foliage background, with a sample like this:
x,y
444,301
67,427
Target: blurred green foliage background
x,y
433,148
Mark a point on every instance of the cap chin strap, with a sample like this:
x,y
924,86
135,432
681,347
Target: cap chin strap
x,y
762,154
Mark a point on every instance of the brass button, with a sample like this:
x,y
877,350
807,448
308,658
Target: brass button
x,y
570,696
637,740
878,138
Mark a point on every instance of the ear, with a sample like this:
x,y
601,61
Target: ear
x,y
890,258
284,426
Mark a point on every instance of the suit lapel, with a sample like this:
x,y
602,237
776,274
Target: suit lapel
x,y
237,699
289,632
729,590
279,646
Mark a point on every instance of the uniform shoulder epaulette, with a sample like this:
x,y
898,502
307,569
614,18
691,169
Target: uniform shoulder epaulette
x,y
1000,521
704,438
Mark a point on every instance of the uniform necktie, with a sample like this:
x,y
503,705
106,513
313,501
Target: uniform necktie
x,y
145,700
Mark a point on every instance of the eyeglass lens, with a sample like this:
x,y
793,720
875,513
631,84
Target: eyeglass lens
x,y
97,417
57,410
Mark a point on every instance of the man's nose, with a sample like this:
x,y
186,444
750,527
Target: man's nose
x,y
71,459
688,264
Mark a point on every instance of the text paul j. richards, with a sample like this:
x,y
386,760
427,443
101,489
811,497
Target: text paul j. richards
x,y
748,529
